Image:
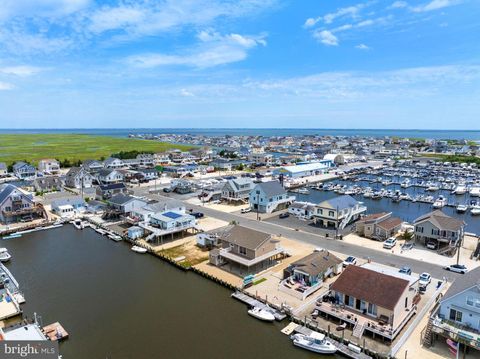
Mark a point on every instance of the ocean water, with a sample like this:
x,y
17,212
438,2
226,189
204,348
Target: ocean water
x,y
473,135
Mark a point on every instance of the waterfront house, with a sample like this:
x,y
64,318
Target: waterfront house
x,y
17,205
304,170
113,163
338,212
148,174
48,184
107,175
68,206
376,299
438,228
78,177
3,169
24,170
457,316
237,189
268,197
96,207
49,166
305,276
169,223
125,204
379,226
108,190
168,204
92,165
245,251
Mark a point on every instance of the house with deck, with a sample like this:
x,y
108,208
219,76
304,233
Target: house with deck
x,y
125,204
237,189
457,316
440,229
48,184
268,197
245,251
113,163
18,205
336,213
108,190
92,165
108,175
24,170
168,224
374,299
144,213
78,177
49,166
305,276
378,226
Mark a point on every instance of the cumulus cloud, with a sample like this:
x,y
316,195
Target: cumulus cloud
x,y
362,47
326,37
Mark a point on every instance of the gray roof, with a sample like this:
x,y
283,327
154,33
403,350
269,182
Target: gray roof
x,y
466,281
316,263
340,202
5,191
272,188
164,205
244,237
73,200
441,221
121,199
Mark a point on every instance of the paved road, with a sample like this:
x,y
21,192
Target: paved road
x,y
383,257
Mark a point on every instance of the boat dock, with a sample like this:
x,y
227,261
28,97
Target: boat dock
x,y
293,328
55,331
256,303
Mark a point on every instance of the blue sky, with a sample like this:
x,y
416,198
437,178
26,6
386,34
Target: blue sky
x,y
250,63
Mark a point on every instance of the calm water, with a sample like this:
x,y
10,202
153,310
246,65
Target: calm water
x,y
432,134
118,304
406,210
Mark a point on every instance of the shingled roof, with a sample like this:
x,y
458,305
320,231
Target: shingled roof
x,y
441,221
467,281
374,287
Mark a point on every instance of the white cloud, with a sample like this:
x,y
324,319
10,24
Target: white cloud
x,y
4,86
326,37
362,47
350,11
40,8
399,5
435,5
186,93
21,71
214,49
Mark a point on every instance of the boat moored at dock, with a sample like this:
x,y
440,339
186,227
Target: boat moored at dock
x,y
315,342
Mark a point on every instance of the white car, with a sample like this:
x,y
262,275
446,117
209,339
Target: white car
x,y
425,279
350,261
390,243
246,210
457,268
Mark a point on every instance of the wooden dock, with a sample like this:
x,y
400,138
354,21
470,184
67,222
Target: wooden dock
x,y
342,348
256,303
55,331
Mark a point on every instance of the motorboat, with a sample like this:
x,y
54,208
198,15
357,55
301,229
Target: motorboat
x,y
77,223
460,189
432,188
139,249
475,191
4,255
315,342
440,202
262,314
475,210
303,191
462,208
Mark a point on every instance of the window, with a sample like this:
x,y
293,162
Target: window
x,y
470,301
331,213
242,250
455,315
372,309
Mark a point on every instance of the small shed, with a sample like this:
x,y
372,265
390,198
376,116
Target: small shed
x,y
135,232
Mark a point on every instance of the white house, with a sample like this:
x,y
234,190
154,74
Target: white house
x,y
268,197
107,176
49,166
113,162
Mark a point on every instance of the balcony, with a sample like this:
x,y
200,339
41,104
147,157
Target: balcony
x,y
457,332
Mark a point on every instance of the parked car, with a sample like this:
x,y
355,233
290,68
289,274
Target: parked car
x,y
390,243
284,215
197,214
246,210
425,279
405,270
432,245
350,260
407,246
167,190
457,268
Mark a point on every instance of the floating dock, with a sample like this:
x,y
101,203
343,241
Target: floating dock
x,y
256,303
342,348
55,331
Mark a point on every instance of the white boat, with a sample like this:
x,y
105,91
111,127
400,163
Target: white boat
x,y
5,256
303,191
261,314
462,208
460,189
475,191
432,188
440,202
115,237
139,249
475,210
78,224
315,342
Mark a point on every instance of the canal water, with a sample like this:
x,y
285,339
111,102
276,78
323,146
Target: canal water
x,y
118,304
406,210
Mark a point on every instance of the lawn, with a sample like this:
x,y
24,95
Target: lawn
x,y
33,147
